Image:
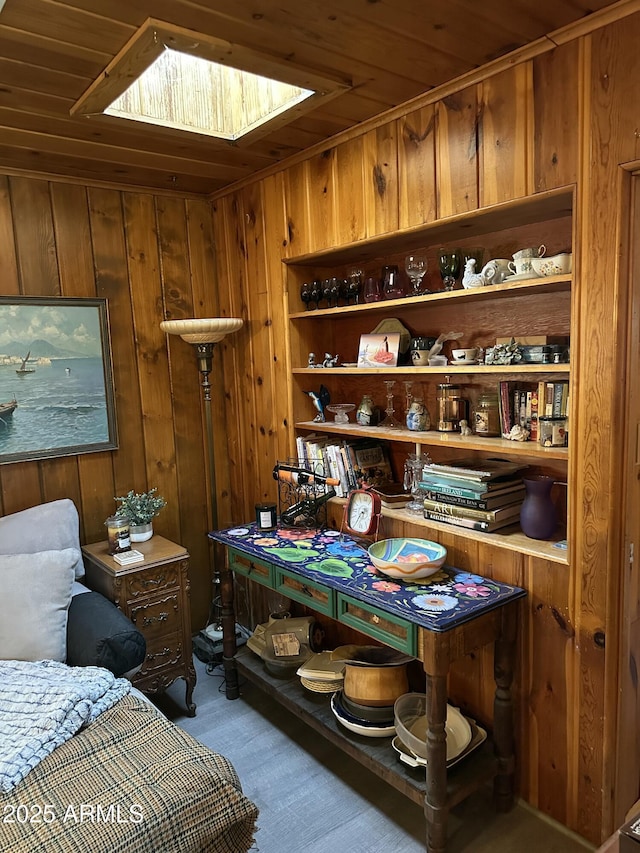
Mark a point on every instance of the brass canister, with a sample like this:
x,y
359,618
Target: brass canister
x,y
452,407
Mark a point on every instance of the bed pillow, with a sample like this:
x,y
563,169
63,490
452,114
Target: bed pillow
x,y
49,526
34,603
98,634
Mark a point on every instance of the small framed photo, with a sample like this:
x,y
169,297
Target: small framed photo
x,y
379,350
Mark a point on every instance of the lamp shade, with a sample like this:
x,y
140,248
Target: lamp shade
x,y
206,330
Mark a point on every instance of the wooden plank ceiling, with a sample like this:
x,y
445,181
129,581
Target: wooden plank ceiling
x,y
387,50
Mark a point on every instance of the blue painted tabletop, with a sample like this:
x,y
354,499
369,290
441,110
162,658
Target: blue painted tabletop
x,y
438,603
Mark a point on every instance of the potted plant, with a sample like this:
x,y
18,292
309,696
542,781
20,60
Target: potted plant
x,y
140,508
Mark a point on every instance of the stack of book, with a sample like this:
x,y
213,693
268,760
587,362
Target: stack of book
x,y
353,463
484,495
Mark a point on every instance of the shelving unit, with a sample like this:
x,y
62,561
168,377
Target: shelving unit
x,y
533,306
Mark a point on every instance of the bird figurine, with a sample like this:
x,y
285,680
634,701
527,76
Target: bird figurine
x,y
320,399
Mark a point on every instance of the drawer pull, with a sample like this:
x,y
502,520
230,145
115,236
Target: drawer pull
x,y
375,619
305,589
161,654
161,617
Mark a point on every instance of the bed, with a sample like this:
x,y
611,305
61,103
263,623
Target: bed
x,y
130,782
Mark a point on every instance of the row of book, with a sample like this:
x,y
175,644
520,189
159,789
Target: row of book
x,y
483,495
352,463
524,403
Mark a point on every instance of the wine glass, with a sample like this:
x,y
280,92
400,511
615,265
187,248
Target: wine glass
x,y
372,290
354,286
450,262
416,267
316,291
305,294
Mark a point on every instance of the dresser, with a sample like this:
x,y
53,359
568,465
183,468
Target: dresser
x,y
154,594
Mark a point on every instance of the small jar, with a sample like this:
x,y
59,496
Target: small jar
x,y
486,417
266,517
118,534
418,416
552,432
365,412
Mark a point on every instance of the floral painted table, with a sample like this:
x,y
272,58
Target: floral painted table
x,y
438,621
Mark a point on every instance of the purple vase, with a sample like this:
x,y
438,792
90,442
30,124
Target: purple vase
x,y
538,517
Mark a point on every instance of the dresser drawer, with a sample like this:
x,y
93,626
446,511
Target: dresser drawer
x,y
250,567
318,597
152,580
157,617
389,629
162,652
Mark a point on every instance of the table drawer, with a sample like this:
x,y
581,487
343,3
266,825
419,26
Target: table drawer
x,y
157,617
251,567
154,579
314,595
162,652
388,629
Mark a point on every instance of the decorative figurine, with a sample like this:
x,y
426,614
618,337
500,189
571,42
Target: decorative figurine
x,y
445,336
503,353
330,360
312,360
320,400
471,278
465,429
418,418
518,433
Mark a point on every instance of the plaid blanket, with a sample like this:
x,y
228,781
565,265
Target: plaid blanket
x,y
130,782
42,705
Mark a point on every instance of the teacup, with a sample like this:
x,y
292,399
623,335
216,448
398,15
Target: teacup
x,y
504,268
469,354
522,259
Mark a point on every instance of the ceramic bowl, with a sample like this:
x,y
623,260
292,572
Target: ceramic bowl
x,y
553,265
410,713
407,559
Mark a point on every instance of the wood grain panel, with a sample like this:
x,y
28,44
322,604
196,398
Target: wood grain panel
x,y
351,222
557,132
72,237
35,241
380,162
417,167
8,260
297,189
457,152
506,135
321,199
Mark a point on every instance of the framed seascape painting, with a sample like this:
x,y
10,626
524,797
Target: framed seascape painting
x,y
56,380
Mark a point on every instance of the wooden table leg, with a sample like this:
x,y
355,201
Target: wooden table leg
x,y
503,663
435,801
228,620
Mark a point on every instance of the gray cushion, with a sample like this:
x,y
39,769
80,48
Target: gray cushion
x,y
35,599
50,526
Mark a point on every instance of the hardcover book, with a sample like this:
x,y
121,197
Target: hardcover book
x,y
469,523
511,511
474,470
490,501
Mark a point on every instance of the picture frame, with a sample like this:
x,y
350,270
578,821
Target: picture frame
x,y
56,378
379,350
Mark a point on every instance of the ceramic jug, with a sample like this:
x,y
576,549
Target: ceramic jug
x,y
538,517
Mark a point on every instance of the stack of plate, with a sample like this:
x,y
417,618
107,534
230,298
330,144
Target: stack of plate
x,y
362,719
463,734
322,672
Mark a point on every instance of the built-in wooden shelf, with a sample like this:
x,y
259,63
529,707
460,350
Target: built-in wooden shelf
x,y
449,369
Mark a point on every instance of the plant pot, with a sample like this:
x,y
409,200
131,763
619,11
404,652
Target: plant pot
x,y
141,532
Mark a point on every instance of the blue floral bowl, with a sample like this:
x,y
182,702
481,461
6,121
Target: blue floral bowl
x,y
407,559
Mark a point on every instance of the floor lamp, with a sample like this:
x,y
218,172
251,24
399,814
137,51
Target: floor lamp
x,y
204,334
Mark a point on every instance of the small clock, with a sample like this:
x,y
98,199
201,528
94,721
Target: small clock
x,y
362,512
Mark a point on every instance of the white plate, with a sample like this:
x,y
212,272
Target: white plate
x,y
359,727
478,737
521,276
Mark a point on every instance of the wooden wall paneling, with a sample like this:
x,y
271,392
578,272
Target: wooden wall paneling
x,y
380,163
261,296
273,203
73,240
233,299
316,205
97,488
506,135
556,143
35,239
417,167
629,657
611,104
552,717
152,363
20,486
184,251
351,218
297,204
112,283
61,479
457,152
8,260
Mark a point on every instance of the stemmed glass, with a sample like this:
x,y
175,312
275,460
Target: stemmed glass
x,y
416,267
354,286
450,262
305,294
390,422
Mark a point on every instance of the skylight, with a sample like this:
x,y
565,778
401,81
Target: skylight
x,y
193,94
197,83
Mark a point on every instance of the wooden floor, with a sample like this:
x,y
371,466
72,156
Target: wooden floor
x,y
314,799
